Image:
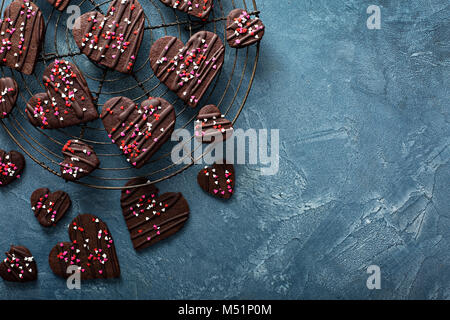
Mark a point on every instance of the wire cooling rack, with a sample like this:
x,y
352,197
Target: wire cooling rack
x,y
229,91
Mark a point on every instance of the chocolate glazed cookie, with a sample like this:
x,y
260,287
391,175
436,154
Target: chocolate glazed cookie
x,y
138,131
11,166
151,218
49,207
8,96
91,250
22,34
242,30
218,180
189,69
112,41
79,160
19,265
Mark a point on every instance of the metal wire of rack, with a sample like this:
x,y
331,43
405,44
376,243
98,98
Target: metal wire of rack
x,y
228,91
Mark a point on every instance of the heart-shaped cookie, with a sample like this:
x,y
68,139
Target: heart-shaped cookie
x,y
61,5
112,41
19,265
67,100
8,96
217,180
197,8
189,69
11,166
22,34
79,160
92,250
151,218
242,30
138,131
49,207
211,125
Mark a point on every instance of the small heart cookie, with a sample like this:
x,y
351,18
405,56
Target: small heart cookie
x,y
11,166
49,207
19,265
197,8
211,125
218,180
242,30
79,160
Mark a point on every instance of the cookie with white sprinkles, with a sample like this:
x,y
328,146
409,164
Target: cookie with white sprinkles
x,y
242,30
19,265
197,8
11,166
79,160
67,100
22,33
211,125
49,207
8,96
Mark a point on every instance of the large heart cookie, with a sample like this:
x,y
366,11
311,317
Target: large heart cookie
x,y
112,41
79,160
138,131
11,166
197,8
61,5
19,265
151,218
92,250
67,100
218,180
189,69
211,125
49,207
8,96
22,32
242,30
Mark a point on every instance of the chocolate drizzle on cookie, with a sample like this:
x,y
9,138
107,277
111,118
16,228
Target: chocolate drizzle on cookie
x,y
22,31
112,41
19,265
61,5
211,125
11,166
8,96
67,100
188,69
49,207
150,218
79,160
138,131
91,252
197,8
218,180
242,30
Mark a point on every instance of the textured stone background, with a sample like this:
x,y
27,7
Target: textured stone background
x,y
364,173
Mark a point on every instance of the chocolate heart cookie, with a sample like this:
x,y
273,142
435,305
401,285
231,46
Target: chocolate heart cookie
x,y
67,100
150,218
197,8
19,265
61,5
112,41
242,30
79,160
92,250
217,180
11,166
138,131
8,96
189,69
211,125
22,33
49,207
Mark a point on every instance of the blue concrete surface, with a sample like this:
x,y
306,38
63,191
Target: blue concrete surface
x,y
364,173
